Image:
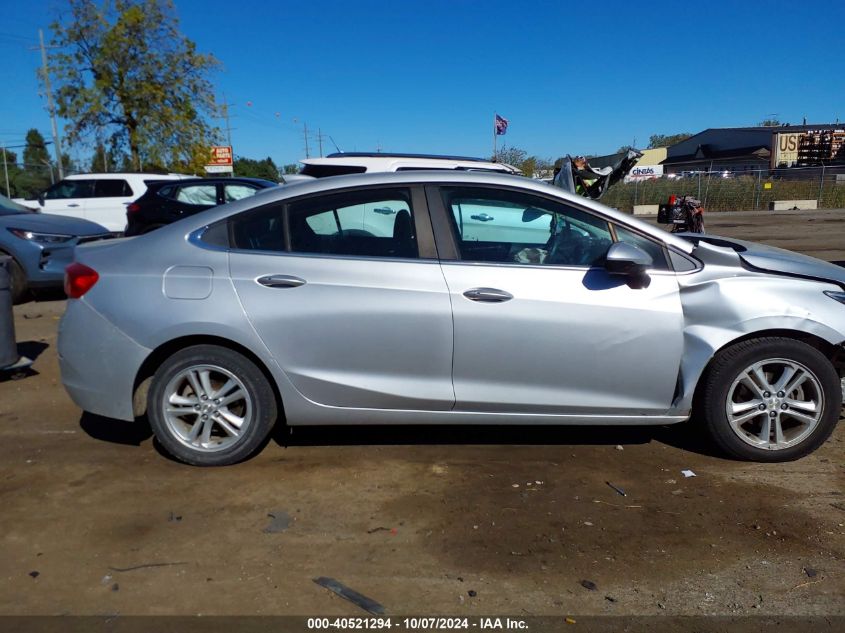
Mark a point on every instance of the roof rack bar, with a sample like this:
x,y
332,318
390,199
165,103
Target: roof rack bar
x,y
399,155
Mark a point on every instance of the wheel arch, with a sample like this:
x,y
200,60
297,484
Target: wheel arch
x,y
167,349
834,352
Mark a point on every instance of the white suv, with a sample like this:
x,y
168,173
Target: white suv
x,y
360,162
100,198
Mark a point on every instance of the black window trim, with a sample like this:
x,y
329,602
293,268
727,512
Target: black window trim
x,y
422,224
447,243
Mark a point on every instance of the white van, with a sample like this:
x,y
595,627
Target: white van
x,y
100,198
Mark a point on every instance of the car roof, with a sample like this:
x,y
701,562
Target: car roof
x,y
126,175
423,177
391,162
158,184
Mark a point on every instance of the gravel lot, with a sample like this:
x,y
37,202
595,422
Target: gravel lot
x,y
95,520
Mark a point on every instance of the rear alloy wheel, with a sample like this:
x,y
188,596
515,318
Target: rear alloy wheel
x,y
210,406
771,399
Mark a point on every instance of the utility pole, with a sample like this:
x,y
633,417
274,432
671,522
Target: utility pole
x,y
320,141
56,139
6,172
225,110
305,135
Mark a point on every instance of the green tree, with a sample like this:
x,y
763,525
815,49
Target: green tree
x,y
9,165
38,170
124,70
290,168
252,168
665,140
511,156
770,123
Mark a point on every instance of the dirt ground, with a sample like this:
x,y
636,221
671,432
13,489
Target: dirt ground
x,y
434,521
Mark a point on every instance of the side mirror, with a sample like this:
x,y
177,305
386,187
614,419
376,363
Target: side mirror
x,y
531,214
41,199
627,259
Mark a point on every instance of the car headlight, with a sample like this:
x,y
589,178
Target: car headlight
x,y
41,238
836,294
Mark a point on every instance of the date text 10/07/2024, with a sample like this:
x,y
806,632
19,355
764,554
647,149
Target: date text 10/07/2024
x,y
417,623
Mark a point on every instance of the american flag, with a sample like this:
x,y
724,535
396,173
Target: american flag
x,y
501,125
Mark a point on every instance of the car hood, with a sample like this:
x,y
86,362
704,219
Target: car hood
x,y
46,223
775,260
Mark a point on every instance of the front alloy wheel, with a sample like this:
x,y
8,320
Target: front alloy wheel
x,y
775,403
770,399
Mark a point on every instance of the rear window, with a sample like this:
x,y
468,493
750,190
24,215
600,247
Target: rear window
x,y
324,171
112,188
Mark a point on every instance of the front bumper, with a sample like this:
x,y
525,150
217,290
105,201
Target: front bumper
x,y
45,264
98,362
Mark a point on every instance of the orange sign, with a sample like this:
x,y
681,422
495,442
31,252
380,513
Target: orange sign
x,y
221,155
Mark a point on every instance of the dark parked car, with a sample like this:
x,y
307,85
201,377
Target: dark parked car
x,y
168,201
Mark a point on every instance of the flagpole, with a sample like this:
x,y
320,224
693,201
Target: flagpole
x,y
494,137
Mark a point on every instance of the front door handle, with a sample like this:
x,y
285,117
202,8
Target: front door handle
x,y
73,204
488,295
281,281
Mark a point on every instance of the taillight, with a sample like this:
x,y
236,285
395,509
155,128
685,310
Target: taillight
x,y
79,279
132,208
672,200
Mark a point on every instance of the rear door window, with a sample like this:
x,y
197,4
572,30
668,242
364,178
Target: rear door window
x,y
70,189
112,188
237,192
205,195
378,223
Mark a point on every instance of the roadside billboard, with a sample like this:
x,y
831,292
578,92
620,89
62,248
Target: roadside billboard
x,y
220,161
807,148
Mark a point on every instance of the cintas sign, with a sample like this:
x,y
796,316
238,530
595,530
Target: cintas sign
x,y
644,172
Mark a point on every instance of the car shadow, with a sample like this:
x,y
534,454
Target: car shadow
x,y
30,350
116,431
48,294
684,436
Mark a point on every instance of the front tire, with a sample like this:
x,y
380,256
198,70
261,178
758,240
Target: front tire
x,y
19,285
210,406
771,399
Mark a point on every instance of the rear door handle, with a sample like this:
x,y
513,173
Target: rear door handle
x,y
488,295
73,204
281,281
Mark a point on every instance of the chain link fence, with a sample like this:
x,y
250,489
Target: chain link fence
x,y
725,191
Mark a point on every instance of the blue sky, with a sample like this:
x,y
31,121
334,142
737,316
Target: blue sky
x,y
427,76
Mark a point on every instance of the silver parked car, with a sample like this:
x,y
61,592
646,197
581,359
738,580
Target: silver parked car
x,y
439,297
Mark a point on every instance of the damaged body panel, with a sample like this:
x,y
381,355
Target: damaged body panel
x,y
726,300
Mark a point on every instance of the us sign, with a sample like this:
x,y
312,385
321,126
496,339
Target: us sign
x,y
785,150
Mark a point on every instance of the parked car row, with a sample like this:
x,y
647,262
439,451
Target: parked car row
x,y
133,204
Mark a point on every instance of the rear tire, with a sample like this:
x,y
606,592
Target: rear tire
x,y
771,399
210,406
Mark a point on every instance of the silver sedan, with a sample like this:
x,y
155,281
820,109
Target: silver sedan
x,y
438,298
